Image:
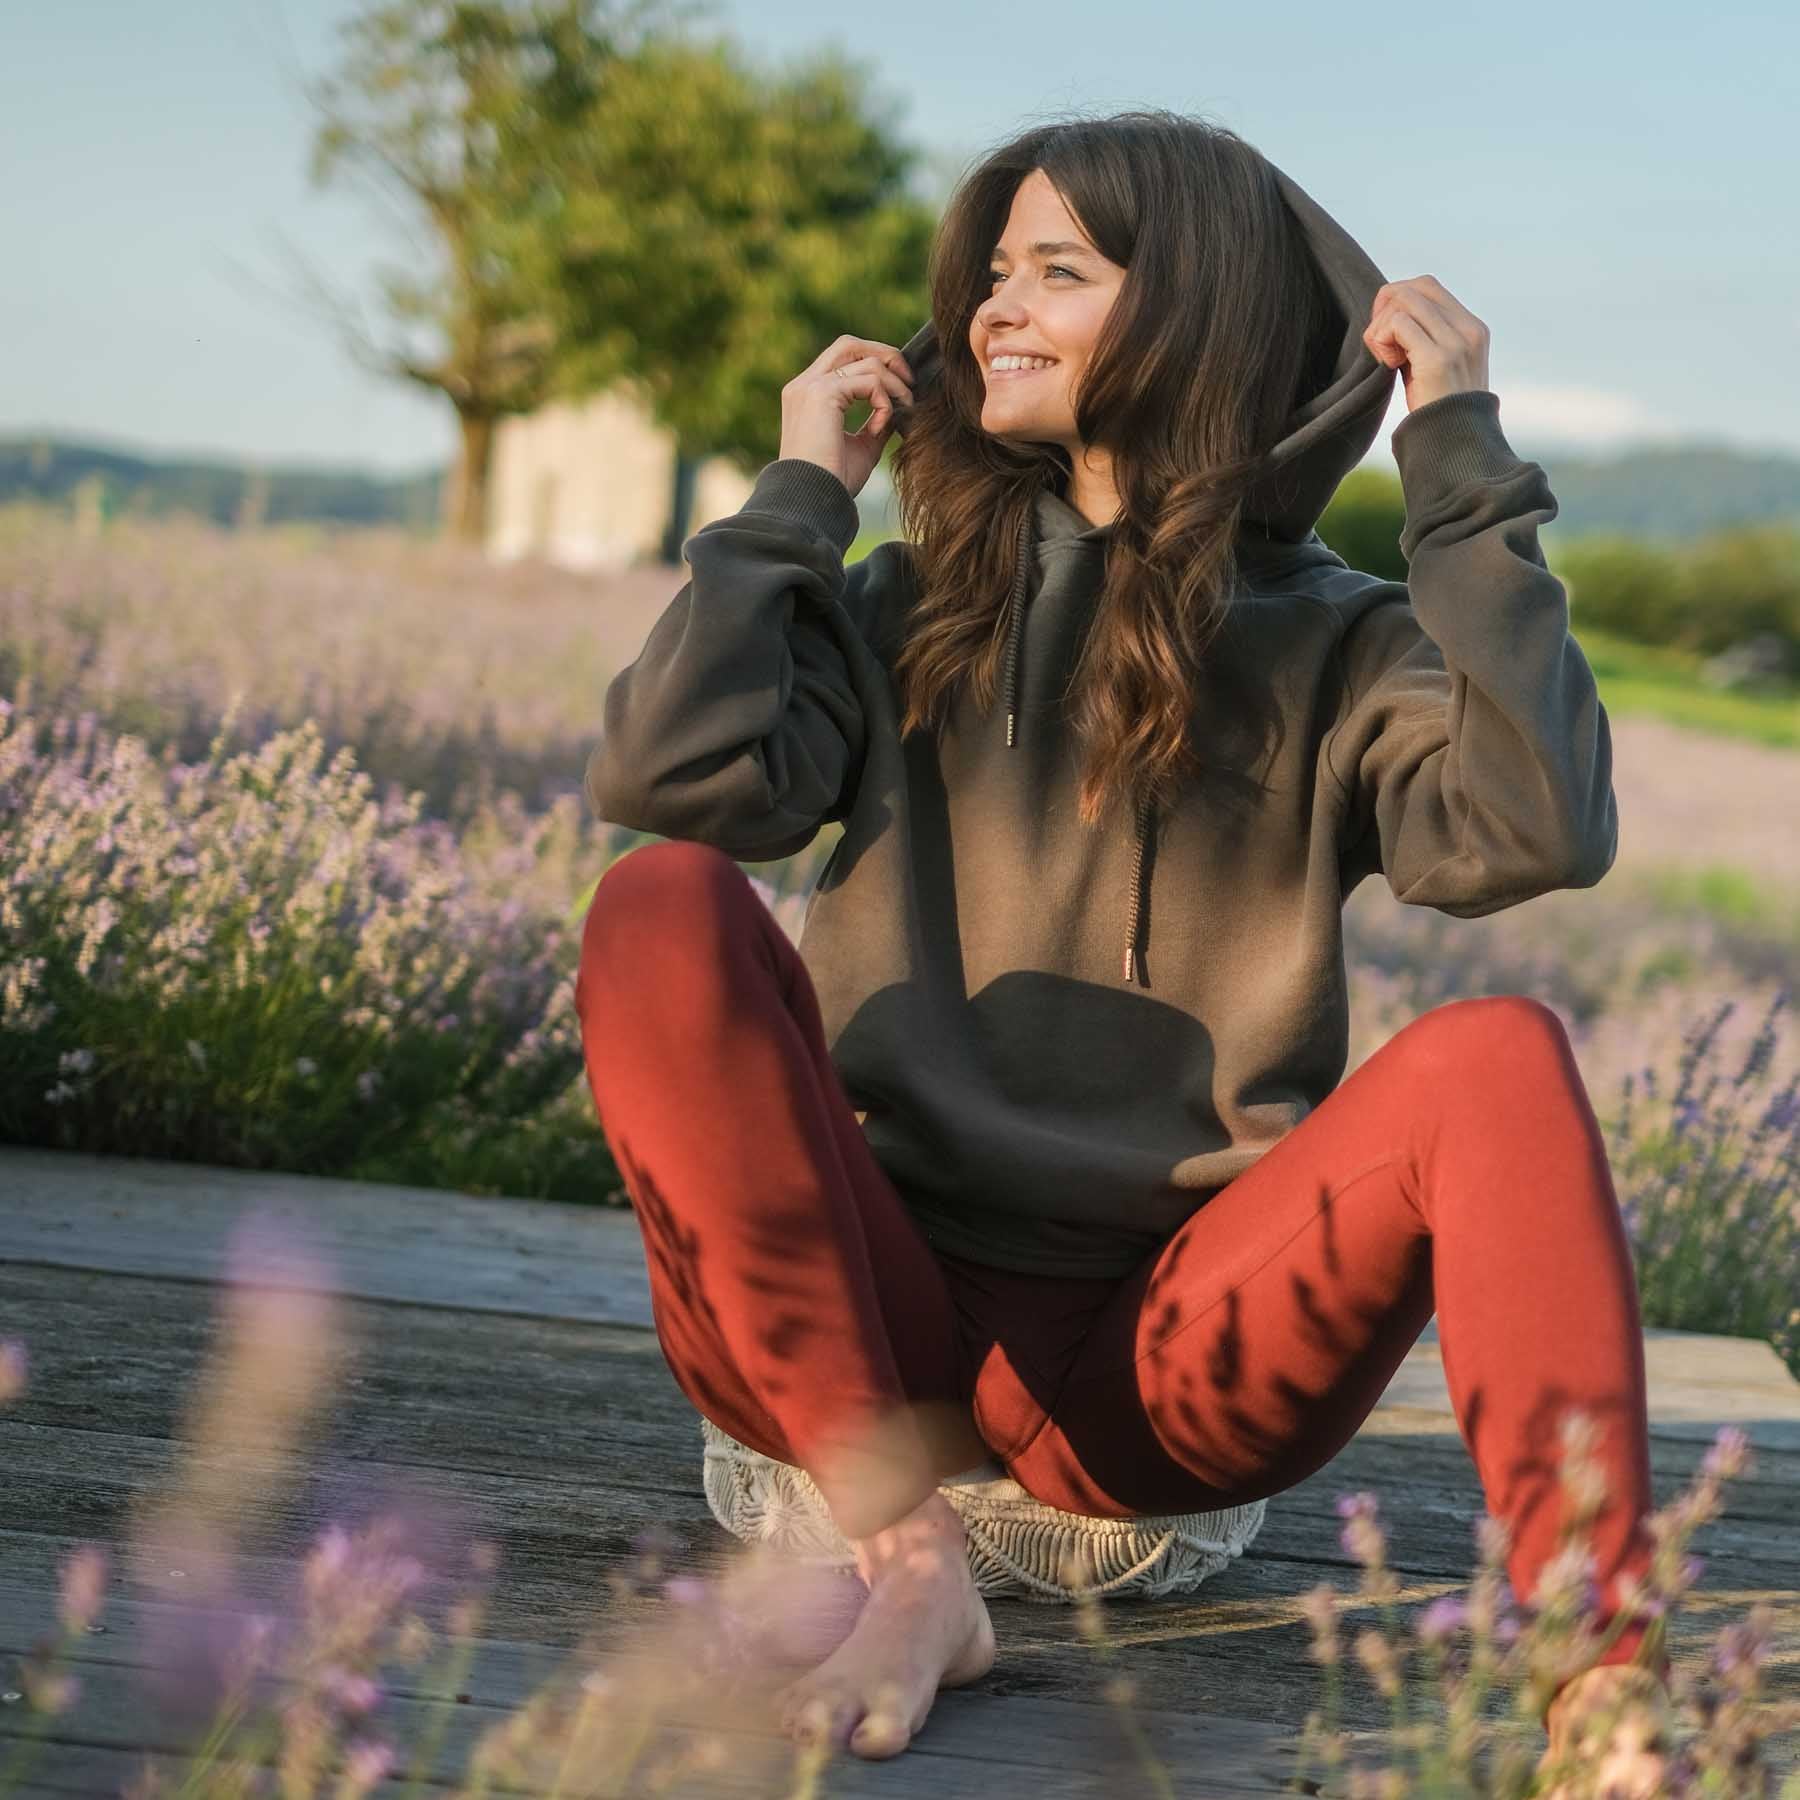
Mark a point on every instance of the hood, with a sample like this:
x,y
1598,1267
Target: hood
x,y
1324,439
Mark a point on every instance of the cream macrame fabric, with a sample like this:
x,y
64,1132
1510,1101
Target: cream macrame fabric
x,y
1017,1545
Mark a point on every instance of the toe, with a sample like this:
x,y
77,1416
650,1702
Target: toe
x,y
880,1734
821,1719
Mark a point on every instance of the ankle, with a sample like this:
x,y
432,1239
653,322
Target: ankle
x,y
1609,1689
930,1535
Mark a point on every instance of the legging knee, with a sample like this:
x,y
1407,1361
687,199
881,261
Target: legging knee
x,y
674,898
1457,1040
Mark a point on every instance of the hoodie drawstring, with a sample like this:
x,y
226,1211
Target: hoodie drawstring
x,y
1146,807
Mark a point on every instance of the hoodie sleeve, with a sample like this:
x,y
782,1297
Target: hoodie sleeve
x,y
1470,744
739,724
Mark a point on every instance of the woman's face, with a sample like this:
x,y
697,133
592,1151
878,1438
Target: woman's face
x,y
1051,292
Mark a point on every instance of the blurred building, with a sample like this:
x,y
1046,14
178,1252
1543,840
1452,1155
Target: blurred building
x,y
590,485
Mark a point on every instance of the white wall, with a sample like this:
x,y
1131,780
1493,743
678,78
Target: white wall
x,y
587,485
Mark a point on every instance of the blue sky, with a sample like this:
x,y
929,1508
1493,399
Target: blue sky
x,y
1609,185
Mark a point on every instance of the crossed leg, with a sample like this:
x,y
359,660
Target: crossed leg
x,y
1460,1167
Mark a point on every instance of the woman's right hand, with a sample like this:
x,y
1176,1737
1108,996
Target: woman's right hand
x,y
813,405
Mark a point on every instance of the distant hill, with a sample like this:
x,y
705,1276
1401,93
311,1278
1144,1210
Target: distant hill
x,y
228,493
1670,491
1664,492
1650,493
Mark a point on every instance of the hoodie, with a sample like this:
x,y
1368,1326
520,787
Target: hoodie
x,y
1064,1039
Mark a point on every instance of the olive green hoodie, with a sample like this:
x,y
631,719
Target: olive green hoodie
x,y
1065,1038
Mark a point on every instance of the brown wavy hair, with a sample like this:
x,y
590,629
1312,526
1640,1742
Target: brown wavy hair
x,y
1215,336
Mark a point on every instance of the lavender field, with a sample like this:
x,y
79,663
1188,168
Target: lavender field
x,y
293,857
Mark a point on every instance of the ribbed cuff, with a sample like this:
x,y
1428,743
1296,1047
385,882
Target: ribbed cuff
x,y
809,495
1450,440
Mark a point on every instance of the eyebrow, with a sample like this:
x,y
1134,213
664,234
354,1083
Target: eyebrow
x,y
1047,247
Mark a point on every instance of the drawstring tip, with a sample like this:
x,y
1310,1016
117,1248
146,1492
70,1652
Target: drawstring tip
x,y
1130,960
1009,727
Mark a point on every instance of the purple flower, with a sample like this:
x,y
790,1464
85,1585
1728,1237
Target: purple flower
x,y
1492,1538
366,1763
1742,1645
82,1586
1441,1618
330,1556
655,1540
351,1691
14,1369
1726,1456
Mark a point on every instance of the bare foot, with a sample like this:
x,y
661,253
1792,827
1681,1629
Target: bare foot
x,y
924,1626
1628,1763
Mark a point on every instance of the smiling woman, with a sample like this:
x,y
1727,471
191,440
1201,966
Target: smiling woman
x,y
1037,1146
1156,262
1036,333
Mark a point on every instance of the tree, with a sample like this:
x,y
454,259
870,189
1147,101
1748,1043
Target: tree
x,y
440,105
1363,522
716,229
611,203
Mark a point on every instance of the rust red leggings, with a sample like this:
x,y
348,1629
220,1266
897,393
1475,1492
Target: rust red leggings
x,y
1460,1168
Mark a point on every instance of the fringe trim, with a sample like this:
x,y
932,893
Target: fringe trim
x,y
1016,1544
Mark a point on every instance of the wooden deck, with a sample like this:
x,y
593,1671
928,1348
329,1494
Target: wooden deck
x,y
505,1369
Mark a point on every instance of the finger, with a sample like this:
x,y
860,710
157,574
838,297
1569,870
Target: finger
x,y
1440,323
1438,320
855,377
1437,290
1400,326
876,351
884,357
900,381
880,407
1465,324
881,413
848,346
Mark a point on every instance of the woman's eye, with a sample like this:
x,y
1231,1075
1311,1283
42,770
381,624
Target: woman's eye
x,y
1054,269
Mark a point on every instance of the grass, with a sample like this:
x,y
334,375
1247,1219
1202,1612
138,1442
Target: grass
x,y
1651,682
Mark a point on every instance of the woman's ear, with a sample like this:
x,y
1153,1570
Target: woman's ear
x,y
924,357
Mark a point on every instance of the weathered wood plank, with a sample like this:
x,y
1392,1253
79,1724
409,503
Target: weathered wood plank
x,y
84,1483
1064,1747
548,1259
539,1418
1237,1647
519,1396
145,1216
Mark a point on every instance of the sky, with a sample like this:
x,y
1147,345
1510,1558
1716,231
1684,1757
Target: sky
x,y
1608,186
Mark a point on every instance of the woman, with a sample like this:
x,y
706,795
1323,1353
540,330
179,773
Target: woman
x,y
1036,1149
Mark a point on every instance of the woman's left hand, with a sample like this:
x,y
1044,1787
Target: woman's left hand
x,y
1420,328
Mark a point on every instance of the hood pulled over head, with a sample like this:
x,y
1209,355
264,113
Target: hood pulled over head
x,y
1329,433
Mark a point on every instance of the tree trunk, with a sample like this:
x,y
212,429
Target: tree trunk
x,y
681,505
466,499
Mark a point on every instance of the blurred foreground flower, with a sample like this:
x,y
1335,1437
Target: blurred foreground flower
x,y
1443,1743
